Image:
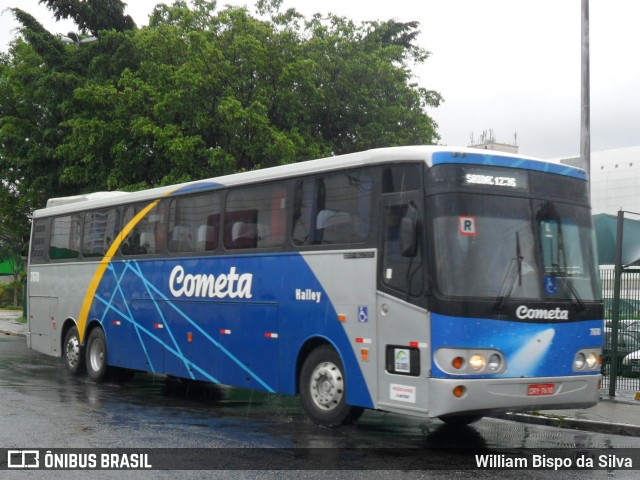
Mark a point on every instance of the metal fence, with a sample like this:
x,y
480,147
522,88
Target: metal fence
x,y
621,359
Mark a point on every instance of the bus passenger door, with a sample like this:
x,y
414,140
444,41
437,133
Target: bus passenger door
x,y
403,333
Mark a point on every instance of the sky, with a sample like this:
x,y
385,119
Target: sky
x,y
509,67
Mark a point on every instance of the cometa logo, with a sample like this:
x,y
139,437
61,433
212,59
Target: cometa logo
x,y
525,313
231,285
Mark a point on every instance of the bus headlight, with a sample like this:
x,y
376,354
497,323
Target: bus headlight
x,y
477,362
494,363
470,361
579,361
592,360
587,360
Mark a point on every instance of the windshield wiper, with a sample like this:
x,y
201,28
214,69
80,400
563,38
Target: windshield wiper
x,y
514,272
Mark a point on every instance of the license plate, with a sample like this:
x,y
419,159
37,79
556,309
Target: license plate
x,y
537,389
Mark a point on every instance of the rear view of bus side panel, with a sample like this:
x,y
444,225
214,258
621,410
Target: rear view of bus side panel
x,y
55,294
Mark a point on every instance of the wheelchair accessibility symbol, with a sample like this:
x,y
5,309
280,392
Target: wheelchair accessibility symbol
x,y
363,314
550,285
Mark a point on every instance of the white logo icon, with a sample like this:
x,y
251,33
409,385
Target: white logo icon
x,y
23,459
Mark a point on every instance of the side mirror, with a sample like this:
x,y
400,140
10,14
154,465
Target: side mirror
x,y
409,231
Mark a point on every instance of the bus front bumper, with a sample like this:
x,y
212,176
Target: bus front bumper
x,y
482,396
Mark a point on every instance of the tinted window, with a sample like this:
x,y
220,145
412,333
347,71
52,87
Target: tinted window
x,y
148,235
400,178
333,209
65,238
100,230
255,217
38,241
194,223
399,272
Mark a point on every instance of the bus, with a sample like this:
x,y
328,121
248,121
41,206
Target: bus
x,y
430,281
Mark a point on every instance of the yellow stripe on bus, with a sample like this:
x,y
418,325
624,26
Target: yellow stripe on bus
x,y
102,267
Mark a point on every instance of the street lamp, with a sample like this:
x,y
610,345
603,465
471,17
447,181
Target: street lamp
x,y
585,102
73,39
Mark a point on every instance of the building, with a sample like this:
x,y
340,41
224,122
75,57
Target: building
x,y
615,186
615,180
487,141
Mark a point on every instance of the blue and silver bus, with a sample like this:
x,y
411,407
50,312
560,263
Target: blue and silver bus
x,y
427,281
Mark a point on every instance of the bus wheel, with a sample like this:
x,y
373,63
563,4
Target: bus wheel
x,y
72,353
460,420
96,355
323,389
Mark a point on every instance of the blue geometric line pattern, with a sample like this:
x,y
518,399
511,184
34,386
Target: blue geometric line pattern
x,y
164,321
129,315
157,296
158,340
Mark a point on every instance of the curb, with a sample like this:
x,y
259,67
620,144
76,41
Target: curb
x,y
573,423
12,334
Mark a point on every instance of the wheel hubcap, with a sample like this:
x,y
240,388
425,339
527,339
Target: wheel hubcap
x,y
96,356
72,352
327,386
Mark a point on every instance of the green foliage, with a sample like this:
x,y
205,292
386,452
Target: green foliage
x,y
92,15
11,294
201,91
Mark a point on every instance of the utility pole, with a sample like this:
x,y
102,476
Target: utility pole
x,y
585,123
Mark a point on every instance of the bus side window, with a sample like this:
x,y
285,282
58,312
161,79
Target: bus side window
x,y
400,178
304,211
65,238
399,272
100,229
255,217
194,223
147,236
38,241
333,209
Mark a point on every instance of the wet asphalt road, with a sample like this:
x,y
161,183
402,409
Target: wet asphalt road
x,y
41,406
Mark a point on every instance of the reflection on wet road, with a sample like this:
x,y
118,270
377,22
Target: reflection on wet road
x,y
43,407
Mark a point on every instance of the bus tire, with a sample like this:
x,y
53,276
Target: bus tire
x,y
72,353
323,389
96,355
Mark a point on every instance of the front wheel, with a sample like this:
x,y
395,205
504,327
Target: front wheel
x,y
72,353
323,389
96,352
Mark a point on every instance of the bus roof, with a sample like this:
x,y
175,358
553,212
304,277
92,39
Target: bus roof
x,y
75,203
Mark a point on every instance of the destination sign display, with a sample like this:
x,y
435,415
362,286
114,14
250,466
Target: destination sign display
x,y
491,177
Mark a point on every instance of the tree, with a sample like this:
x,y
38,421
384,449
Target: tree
x,y
92,15
14,234
201,91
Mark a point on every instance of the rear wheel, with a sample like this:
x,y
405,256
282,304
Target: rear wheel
x,y
323,389
96,355
72,352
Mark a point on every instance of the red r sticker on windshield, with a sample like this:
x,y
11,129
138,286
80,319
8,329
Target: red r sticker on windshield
x,y
467,226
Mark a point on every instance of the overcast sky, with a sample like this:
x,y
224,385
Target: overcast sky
x,y
510,66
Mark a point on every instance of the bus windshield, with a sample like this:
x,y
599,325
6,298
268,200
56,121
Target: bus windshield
x,y
496,247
